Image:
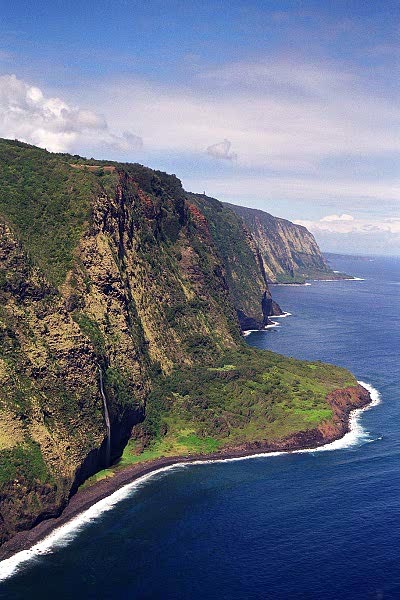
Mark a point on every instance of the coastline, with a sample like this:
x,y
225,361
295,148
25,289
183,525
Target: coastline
x,y
347,406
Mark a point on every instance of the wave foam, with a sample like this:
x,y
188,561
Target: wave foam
x,y
341,279
356,434
65,533
273,324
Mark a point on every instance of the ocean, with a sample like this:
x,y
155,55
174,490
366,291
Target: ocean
x,y
313,525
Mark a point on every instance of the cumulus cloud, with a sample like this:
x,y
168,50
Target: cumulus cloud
x,y
221,150
28,115
302,132
357,235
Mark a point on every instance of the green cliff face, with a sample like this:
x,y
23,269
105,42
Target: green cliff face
x,y
109,272
289,252
97,270
244,267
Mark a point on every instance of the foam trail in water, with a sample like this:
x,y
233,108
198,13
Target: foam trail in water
x,y
272,326
338,280
65,533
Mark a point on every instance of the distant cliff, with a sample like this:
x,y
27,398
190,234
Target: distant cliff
x,y
289,252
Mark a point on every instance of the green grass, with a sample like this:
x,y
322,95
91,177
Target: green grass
x,y
25,461
249,396
264,397
224,398
47,203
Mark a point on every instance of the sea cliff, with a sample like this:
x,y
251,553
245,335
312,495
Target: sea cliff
x,y
343,402
288,252
123,300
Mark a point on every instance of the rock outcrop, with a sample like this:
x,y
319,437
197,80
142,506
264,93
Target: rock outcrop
x,y
142,290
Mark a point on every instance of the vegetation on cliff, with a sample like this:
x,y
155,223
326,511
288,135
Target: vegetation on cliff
x,y
111,266
246,396
247,400
243,265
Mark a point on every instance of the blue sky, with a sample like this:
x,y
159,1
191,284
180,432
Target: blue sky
x,y
291,107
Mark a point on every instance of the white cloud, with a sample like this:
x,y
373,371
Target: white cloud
x,y
222,150
289,124
357,235
352,225
298,189
277,115
28,115
334,218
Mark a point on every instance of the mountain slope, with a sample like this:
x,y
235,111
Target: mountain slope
x,y
136,289
117,312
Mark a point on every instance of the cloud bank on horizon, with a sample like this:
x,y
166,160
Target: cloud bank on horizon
x,y
290,110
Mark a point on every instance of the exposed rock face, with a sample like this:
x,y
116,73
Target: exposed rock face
x,y
342,402
289,252
50,386
244,267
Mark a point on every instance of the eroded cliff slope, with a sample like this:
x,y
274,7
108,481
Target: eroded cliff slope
x,y
98,272
289,252
244,267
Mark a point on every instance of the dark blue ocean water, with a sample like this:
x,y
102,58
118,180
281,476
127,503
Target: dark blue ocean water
x,y
323,525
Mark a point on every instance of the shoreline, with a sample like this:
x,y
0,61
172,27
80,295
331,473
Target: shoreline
x,y
86,504
310,281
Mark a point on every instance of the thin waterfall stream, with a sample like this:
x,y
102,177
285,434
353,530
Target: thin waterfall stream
x,y
106,419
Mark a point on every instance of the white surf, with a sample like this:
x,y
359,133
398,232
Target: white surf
x,y
62,535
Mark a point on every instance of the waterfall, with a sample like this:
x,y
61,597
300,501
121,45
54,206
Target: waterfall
x,y
106,419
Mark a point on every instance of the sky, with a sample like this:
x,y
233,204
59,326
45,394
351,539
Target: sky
x,y
286,106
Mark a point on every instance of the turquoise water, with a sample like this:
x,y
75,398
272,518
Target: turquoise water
x,y
320,525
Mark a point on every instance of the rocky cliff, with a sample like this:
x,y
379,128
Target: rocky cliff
x,y
119,301
289,252
244,267
129,284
